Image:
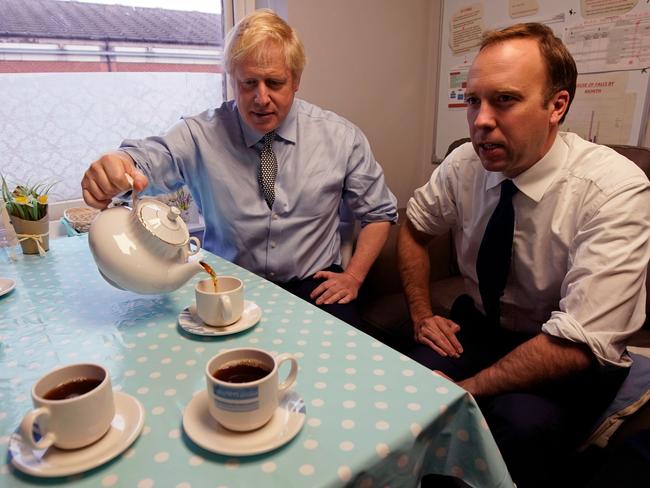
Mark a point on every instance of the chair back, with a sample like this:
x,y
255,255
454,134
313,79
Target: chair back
x,y
641,156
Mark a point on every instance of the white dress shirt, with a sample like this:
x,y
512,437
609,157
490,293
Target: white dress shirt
x,y
580,246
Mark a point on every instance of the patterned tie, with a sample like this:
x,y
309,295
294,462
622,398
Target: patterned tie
x,y
268,169
495,253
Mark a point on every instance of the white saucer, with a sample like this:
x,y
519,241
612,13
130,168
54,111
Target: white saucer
x,y
190,322
6,285
125,428
207,433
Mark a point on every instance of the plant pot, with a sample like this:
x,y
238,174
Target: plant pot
x,y
34,228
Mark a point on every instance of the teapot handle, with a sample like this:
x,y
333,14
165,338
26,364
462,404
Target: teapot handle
x,y
197,243
134,194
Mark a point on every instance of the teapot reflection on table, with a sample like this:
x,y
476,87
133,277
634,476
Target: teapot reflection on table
x,y
144,249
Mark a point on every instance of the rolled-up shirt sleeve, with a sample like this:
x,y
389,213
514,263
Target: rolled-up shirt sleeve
x,y
432,208
603,293
365,189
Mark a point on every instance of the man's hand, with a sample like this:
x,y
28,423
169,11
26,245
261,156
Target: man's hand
x,y
439,334
337,288
106,178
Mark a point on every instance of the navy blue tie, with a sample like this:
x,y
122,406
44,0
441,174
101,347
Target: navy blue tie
x,y
495,253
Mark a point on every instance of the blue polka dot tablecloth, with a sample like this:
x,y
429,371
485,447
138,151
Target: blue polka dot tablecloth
x,y
374,418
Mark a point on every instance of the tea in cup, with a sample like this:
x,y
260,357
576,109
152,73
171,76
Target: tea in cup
x,y
243,387
223,306
74,407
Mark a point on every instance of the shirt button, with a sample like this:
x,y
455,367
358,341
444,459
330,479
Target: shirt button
x,y
275,216
272,244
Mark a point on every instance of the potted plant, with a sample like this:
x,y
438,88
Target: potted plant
x,y
27,208
183,200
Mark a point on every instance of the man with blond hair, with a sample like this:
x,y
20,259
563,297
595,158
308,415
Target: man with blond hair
x,y
269,171
552,235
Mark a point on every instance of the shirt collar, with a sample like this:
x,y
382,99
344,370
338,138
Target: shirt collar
x,y
535,180
287,131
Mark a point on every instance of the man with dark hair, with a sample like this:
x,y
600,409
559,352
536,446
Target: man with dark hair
x,y
269,171
551,233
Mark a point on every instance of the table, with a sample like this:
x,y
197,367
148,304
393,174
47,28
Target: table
x,y
374,416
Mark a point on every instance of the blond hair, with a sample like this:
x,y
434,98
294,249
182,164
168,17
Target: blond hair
x,y
255,33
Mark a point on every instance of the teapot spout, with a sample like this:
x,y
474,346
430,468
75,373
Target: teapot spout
x,y
179,274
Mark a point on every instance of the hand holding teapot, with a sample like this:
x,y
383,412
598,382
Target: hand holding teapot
x,y
144,249
110,175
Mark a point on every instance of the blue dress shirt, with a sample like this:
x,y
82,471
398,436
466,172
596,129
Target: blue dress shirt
x,y
323,159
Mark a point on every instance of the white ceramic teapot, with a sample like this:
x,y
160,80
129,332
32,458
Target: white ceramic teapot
x,y
144,250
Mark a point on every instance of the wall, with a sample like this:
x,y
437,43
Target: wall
x,y
375,63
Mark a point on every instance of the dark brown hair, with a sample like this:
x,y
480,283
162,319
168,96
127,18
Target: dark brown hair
x,y
560,66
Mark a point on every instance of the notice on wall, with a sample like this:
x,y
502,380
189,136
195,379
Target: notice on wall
x,y
609,44
523,8
457,86
598,112
466,28
603,8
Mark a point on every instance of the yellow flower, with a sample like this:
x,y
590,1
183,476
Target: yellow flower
x,y
26,201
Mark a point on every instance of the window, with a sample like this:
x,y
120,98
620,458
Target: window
x,y
79,77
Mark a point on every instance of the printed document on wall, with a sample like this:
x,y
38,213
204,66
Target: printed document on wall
x,y
466,28
602,8
601,108
457,86
610,43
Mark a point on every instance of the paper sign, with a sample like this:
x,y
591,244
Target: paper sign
x,y
457,87
522,8
612,43
602,8
466,28
601,108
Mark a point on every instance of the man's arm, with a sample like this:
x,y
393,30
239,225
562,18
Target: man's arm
x,y
540,360
344,287
432,330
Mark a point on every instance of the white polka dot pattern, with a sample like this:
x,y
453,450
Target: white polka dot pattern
x,y
364,402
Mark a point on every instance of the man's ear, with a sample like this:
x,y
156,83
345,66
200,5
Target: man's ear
x,y
296,82
559,104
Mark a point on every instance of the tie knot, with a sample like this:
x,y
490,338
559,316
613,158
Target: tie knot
x,y
268,138
508,189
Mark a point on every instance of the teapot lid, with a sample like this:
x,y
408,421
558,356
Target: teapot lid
x,y
162,221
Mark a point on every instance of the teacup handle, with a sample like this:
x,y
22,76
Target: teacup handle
x,y
226,308
293,373
27,429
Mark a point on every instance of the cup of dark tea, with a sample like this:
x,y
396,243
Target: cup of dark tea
x,y
244,389
74,407
220,302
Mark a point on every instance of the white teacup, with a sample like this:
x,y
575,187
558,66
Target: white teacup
x,y
74,407
243,389
221,307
